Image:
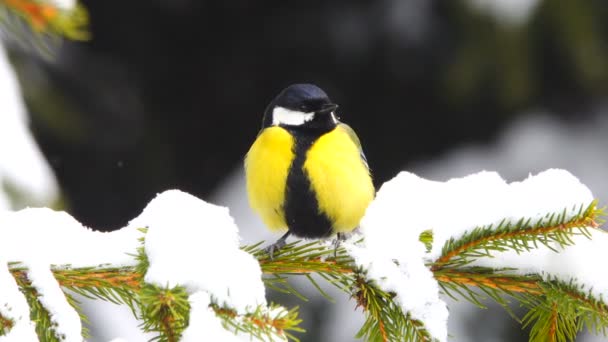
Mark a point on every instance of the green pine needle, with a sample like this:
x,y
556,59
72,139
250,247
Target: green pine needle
x,y
521,236
165,311
266,324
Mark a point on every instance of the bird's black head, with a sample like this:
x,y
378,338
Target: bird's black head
x,y
301,107
305,98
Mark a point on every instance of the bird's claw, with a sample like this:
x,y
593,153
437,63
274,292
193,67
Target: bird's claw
x,y
337,242
276,246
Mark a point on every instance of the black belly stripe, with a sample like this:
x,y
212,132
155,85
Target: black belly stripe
x,y
301,206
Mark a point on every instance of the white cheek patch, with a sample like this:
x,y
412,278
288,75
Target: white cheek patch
x,y
284,116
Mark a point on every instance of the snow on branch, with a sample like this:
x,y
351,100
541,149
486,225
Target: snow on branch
x,y
506,239
188,250
181,270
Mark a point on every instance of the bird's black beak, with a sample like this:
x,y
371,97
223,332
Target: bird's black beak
x,y
328,108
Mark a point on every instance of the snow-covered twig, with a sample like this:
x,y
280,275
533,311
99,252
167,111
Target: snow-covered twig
x,y
185,269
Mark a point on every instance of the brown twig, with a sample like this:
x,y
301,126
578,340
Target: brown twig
x,y
553,327
505,283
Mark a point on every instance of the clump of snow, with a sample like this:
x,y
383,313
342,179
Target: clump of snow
x,y
4,202
393,255
189,242
195,244
39,238
513,12
554,191
576,262
13,306
204,322
65,320
65,4
41,235
408,205
405,274
21,162
204,325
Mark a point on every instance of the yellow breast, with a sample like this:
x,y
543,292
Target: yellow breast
x,y
266,167
340,179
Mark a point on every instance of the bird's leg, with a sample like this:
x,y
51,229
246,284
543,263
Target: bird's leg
x,y
280,243
339,238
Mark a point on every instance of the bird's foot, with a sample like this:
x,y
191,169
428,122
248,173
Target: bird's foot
x,y
280,243
337,242
274,247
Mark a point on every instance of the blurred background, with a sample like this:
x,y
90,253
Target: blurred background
x,y
170,94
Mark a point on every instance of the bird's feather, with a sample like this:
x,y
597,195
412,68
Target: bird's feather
x,y
353,136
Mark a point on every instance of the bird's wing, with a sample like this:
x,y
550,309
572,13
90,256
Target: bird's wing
x,y
353,136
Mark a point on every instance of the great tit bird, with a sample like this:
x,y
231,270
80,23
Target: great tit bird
x,y
306,172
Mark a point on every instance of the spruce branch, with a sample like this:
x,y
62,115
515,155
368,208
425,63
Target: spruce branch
x,y
385,321
165,311
265,324
524,235
557,310
549,324
115,285
489,279
38,313
565,309
478,284
5,325
302,258
378,306
305,259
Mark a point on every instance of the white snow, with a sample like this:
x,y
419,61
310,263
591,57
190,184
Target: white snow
x,y
39,238
189,242
513,12
41,235
393,255
65,4
460,204
575,262
13,306
204,324
405,274
195,244
408,205
65,320
109,321
5,203
21,162
534,142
